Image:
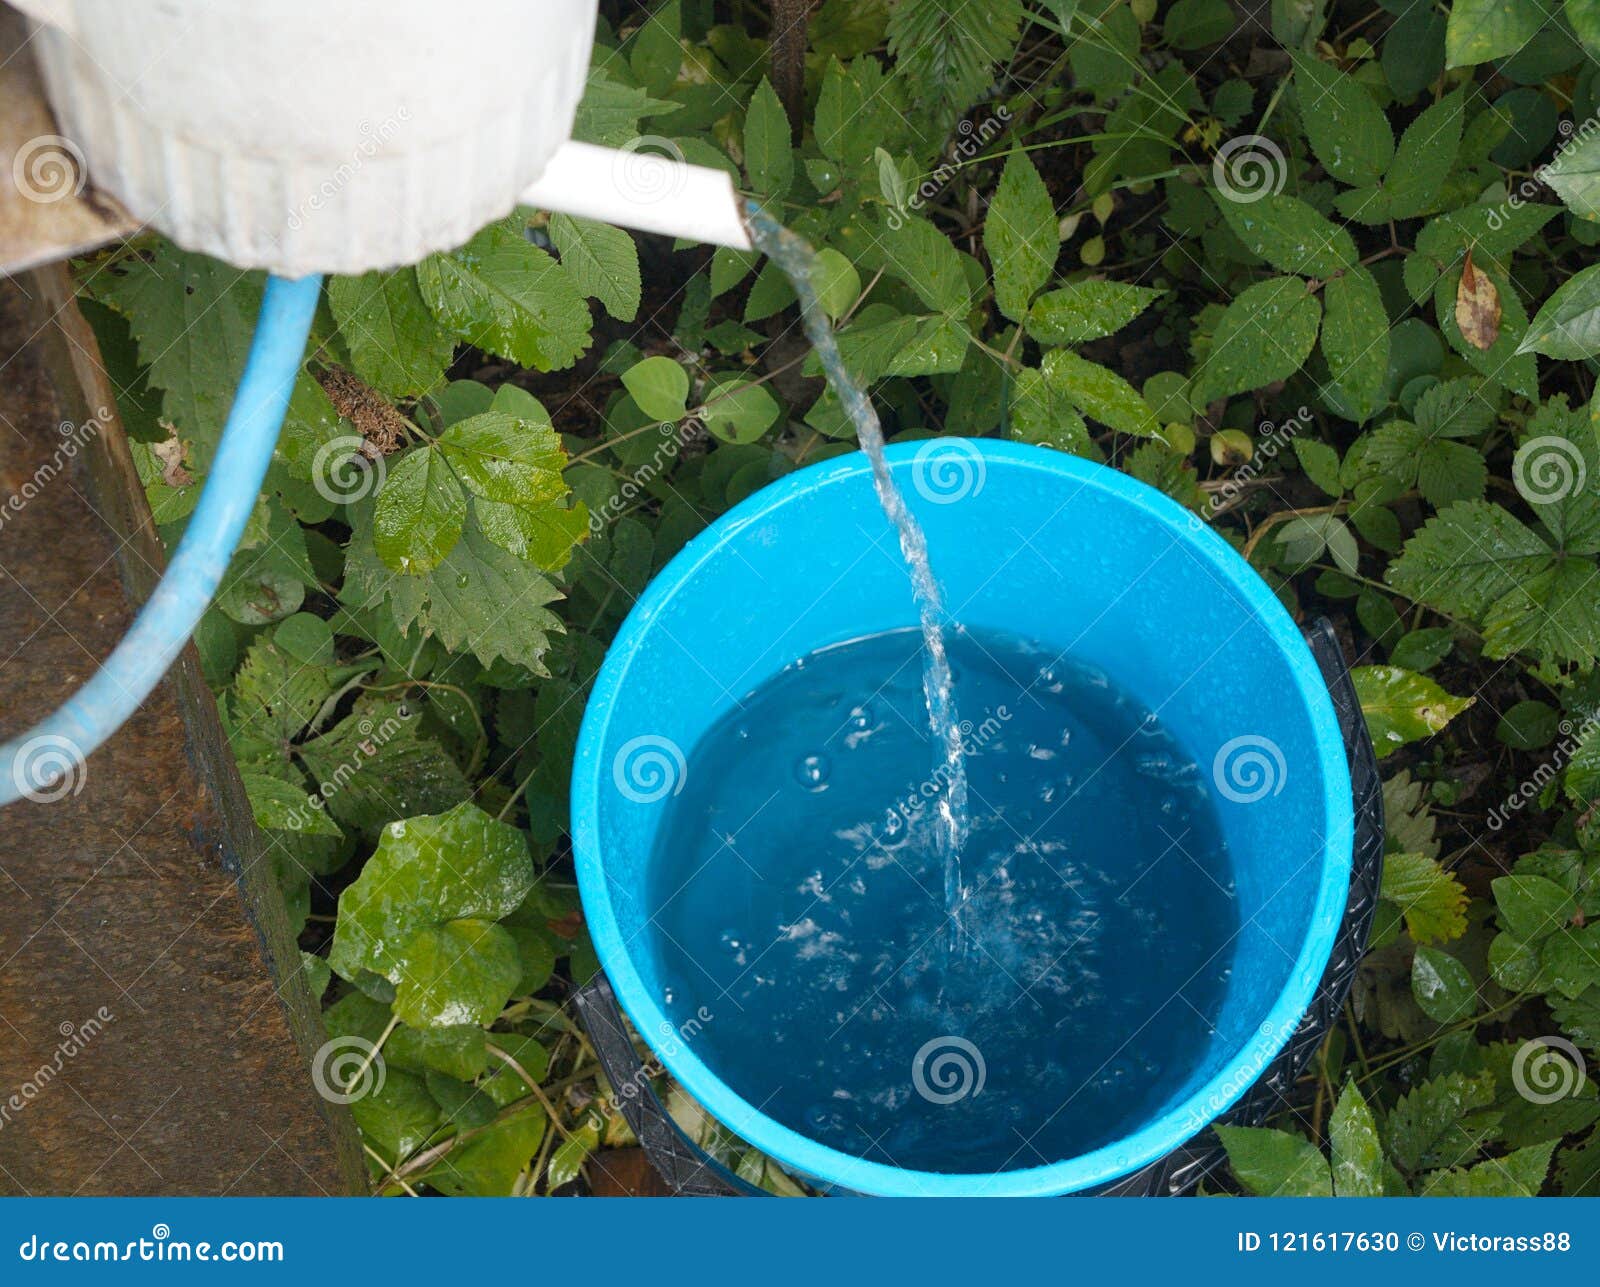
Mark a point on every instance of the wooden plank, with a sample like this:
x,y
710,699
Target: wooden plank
x,y
156,1033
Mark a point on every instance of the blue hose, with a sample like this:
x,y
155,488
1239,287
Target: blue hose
x,y
47,761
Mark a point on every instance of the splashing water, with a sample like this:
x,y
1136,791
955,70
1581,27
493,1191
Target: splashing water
x,y
796,258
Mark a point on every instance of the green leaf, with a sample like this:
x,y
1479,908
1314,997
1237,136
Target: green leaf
x,y
925,260
489,1164
768,154
567,1161
601,260
1481,30
737,409
1442,987
610,111
930,345
1432,900
419,513
398,1116
1570,959
1348,130
856,111
1020,236
395,344
660,386
482,598
1357,1157
836,282
1266,334
275,696
376,765
1043,415
1321,464
426,872
948,52
461,972
456,1050
1288,234
1194,24
544,535
1567,326
1532,907
1422,161
278,806
1355,338
1424,1129
1099,393
1275,1164
1517,1175
193,317
1087,310
1401,706
1584,15
507,296
1475,561
514,460
506,1085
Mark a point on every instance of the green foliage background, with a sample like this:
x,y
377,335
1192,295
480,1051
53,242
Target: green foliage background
x,y
1223,256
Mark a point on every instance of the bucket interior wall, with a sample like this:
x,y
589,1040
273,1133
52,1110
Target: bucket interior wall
x,y
1129,585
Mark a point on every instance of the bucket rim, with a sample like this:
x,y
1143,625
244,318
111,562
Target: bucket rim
x,y
1159,1136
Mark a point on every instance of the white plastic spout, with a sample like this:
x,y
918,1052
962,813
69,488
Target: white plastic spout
x,y
648,188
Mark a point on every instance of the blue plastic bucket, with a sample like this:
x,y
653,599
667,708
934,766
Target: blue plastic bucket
x,y
1035,543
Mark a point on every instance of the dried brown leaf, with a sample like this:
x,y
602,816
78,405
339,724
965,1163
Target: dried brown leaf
x,y
1477,306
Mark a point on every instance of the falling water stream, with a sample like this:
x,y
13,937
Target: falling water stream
x,y
796,258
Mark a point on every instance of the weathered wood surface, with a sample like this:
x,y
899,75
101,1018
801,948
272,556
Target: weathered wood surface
x,y
47,209
144,1047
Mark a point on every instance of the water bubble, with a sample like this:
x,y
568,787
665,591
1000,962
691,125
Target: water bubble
x,y
861,717
812,772
668,996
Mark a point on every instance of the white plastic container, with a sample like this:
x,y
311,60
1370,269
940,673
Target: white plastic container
x,y
309,136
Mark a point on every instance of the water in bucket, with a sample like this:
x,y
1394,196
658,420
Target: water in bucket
x,y
797,887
